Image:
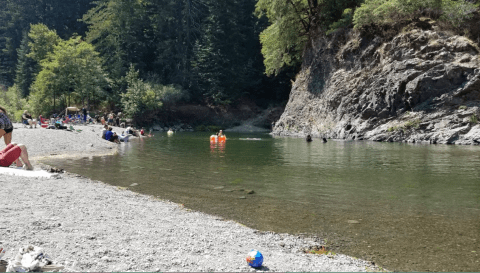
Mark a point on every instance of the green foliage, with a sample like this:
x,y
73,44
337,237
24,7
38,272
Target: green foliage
x,y
473,119
13,102
25,68
43,41
344,22
411,124
16,17
207,128
171,94
462,107
121,32
199,50
71,72
386,11
294,22
283,41
140,97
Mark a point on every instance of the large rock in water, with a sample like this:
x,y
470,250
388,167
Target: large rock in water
x,y
420,86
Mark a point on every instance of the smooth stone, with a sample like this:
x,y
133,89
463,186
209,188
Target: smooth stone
x,y
134,184
353,222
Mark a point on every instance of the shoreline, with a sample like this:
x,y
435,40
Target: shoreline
x,y
89,225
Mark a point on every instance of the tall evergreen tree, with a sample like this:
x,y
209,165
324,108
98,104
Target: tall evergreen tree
x,y
24,74
16,17
224,64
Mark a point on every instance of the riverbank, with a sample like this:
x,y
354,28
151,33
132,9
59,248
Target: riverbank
x,y
88,225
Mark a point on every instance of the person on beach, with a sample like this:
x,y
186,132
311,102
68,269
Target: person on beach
x,y
142,132
27,119
114,138
110,119
108,134
13,153
104,131
6,126
84,110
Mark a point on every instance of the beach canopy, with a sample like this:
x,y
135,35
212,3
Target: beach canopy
x,y
72,109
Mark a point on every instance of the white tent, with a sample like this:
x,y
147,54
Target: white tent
x,y
71,109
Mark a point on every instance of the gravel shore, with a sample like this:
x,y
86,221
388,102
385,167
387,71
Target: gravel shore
x,y
88,225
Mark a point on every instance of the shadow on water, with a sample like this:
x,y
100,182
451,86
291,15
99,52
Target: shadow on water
x,y
406,207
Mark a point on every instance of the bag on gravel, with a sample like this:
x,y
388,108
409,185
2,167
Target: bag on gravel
x,y
32,259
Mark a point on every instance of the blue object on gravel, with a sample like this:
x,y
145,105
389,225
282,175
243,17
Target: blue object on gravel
x,y
255,258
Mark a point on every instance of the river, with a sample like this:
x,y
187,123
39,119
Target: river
x,y
406,207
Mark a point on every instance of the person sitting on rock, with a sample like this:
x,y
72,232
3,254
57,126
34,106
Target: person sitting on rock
x,y
108,134
13,153
27,119
114,138
104,131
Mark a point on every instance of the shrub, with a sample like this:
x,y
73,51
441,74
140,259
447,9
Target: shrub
x,y
213,128
201,128
473,119
385,11
344,22
412,124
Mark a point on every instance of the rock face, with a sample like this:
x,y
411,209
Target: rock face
x,y
421,86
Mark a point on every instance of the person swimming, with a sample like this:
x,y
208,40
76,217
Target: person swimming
x,y
308,138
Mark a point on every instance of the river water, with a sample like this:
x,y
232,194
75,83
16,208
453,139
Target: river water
x,y
405,207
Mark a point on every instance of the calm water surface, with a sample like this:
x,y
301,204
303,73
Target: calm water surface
x,y
414,207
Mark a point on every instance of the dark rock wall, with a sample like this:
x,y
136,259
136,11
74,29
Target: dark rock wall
x,y
421,86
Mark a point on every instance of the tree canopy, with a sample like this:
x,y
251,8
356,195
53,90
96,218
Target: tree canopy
x,y
139,56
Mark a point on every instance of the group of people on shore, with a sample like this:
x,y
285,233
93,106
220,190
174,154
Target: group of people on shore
x,y
13,152
112,136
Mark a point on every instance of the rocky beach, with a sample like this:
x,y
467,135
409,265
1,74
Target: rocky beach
x,y
87,225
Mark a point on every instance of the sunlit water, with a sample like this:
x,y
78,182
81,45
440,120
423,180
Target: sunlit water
x,y
406,207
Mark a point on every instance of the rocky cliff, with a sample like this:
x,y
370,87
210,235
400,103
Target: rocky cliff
x,y
422,85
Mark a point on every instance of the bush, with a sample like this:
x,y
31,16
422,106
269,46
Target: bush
x,y
213,128
346,20
388,11
171,94
201,128
473,119
14,104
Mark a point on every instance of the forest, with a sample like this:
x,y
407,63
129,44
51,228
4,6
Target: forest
x,y
142,57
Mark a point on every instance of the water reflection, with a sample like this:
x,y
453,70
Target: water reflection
x,y
405,198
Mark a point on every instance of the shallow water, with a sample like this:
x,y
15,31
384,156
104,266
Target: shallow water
x,y
405,207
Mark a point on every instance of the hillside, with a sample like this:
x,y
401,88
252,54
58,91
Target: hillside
x,y
421,85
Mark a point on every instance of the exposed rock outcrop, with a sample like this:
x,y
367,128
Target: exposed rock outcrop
x,y
421,86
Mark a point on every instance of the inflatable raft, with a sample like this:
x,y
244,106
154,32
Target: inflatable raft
x,y
214,138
